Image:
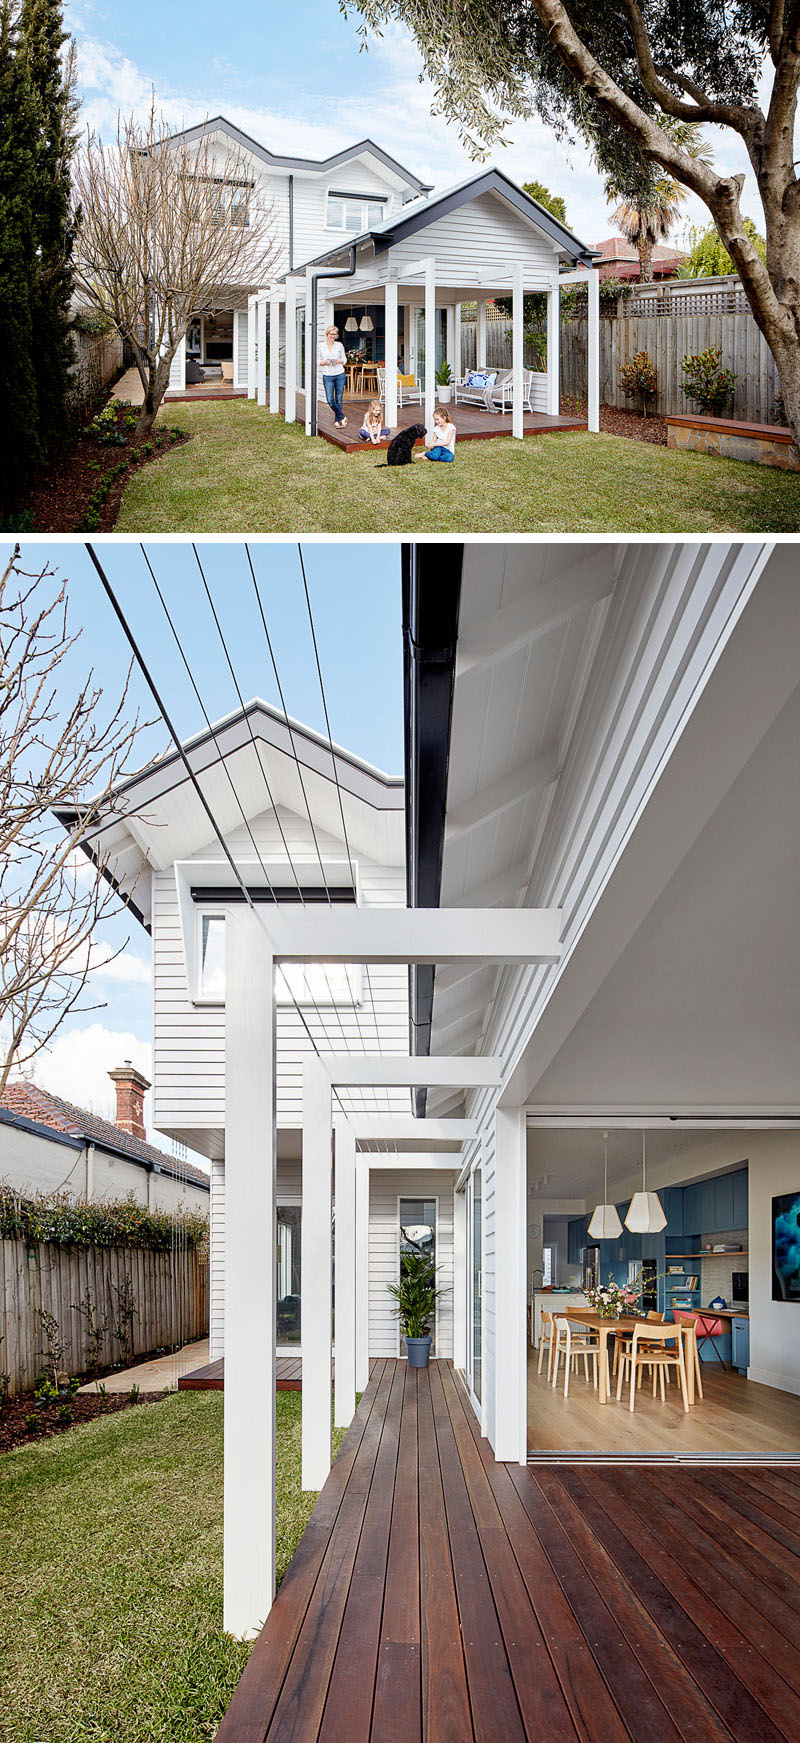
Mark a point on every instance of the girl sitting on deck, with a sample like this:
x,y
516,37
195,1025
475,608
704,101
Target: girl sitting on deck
x,y
443,445
372,430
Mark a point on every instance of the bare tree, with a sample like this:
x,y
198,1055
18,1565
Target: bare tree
x,y
167,226
54,751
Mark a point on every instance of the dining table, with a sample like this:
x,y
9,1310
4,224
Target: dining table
x,y
626,1325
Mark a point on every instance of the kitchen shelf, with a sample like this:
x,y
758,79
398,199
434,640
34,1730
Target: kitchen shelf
x,y
730,1253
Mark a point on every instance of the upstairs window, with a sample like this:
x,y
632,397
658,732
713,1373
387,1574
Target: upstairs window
x,y
212,958
349,212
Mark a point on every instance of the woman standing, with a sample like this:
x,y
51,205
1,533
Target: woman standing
x,y
332,359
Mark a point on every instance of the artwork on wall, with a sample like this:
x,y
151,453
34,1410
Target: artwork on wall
x,y
786,1247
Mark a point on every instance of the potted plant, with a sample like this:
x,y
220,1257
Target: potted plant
x,y
415,1298
444,382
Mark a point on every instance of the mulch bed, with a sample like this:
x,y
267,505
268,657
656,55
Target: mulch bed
x,y
616,422
14,1431
82,491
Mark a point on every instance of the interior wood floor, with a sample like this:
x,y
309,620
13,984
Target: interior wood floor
x,y
439,1597
735,1416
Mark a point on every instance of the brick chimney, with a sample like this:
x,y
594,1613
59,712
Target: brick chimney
x,y
130,1086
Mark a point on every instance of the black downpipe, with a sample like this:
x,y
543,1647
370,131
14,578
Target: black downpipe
x,y
431,580
311,362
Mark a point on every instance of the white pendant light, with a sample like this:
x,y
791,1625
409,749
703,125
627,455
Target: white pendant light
x,y
351,324
645,1213
367,324
605,1224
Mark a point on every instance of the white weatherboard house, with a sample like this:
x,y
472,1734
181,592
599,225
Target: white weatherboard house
x,y
365,241
591,873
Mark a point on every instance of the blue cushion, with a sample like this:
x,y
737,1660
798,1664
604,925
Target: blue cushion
x,y
480,378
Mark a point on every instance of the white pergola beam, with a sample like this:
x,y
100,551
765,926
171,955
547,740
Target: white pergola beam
x,y
405,1128
492,801
448,1159
274,355
406,1071
403,935
534,615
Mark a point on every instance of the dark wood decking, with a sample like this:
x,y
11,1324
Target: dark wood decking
x,y
438,1595
472,423
211,1378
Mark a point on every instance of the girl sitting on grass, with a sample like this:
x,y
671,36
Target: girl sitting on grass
x,y
372,429
443,444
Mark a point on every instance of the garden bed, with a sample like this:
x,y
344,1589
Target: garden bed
x,y
82,490
620,421
22,1421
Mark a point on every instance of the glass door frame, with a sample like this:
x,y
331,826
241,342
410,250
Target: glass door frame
x,y
432,1198
287,1201
478,1401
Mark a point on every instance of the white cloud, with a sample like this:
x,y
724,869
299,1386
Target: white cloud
x,y
124,966
77,1064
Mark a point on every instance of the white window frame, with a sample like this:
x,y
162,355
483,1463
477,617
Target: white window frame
x,y
205,912
365,223
289,1201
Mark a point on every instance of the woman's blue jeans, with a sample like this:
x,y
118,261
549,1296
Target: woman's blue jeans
x,y
334,393
439,453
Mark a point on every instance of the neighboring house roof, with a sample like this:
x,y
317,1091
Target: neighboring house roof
x,y
37,1107
320,165
420,213
620,259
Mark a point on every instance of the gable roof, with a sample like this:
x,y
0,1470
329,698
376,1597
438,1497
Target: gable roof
x,y
420,213
35,1106
275,161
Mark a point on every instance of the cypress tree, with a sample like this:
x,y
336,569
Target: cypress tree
x,y
21,449
51,77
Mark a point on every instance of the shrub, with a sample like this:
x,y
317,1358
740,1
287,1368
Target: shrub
x,y
706,382
110,426
639,379
120,1222
780,411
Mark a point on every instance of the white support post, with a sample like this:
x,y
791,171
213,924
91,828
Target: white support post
x,y
216,1264
593,351
252,347
261,364
553,352
450,338
458,367
345,1368
480,335
316,1324
290,357
249,1413
460,1280
362,1272
509,1441
390,399
517,342
310,353
274,355
430,340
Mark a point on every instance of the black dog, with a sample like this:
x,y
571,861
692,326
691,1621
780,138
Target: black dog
x,y
398,452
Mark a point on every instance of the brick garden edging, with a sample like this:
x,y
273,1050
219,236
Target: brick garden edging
x,y
764,444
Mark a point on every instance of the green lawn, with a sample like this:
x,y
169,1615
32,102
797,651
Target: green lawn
x,y
111,1575
248,472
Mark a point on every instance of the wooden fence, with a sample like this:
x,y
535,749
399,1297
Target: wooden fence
x,y
98,361
170,1296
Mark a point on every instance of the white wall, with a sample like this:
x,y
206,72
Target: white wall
x,y
386,1186
36,1164
774,1325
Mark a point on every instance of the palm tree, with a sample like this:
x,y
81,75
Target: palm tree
x,y
649,219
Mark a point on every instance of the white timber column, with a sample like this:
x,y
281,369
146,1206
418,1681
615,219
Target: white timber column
x,y
275,354
511,1347
290,357
252,343
480,335
316,1270
390,322
216,1264
344,1408
450,338
553,351
460,1280
362,1273
593,351
517,342
430,340
458,369
249,1408
310,353
261,361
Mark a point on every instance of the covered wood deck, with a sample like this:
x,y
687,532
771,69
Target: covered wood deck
x,y
211,1377
473,423
438,1595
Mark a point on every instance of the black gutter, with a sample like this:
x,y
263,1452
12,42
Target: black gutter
x,y
311,362
431,584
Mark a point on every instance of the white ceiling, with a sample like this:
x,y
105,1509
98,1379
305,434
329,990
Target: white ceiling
x,y
573,1159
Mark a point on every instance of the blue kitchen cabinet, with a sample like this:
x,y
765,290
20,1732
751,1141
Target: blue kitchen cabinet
x,y
708,1207
741,1205
573,1244
740,1337
672,1201
723,1204
691,1211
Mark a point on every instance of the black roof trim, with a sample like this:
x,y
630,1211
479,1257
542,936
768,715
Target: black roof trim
x,y
492,181
22,1124
69,817
275,161
431,580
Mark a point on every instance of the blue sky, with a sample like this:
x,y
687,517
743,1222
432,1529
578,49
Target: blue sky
x,y
356,602
308,91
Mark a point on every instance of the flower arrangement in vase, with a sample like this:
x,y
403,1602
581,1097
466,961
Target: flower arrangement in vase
x,y
611,1299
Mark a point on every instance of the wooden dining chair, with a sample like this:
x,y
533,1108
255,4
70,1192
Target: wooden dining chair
x,y
575,1346
546,1341
658,1347
689,1322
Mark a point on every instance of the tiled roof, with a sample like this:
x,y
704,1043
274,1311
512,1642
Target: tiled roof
x,y
619,248
31,1102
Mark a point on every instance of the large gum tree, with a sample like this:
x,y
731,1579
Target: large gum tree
x,y
617,71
